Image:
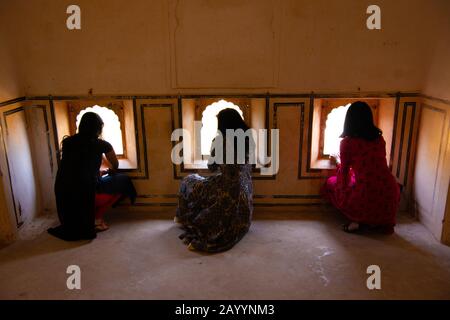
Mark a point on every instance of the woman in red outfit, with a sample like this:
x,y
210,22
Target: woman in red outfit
x,y
363,189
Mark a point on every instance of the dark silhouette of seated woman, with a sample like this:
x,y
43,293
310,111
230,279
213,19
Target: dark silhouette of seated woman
x,y
78,179
363,189
216,211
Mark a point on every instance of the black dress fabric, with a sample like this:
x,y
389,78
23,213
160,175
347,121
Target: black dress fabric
x,y
117,183
75,187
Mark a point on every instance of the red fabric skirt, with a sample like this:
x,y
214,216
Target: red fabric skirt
x,y
369,203
103,201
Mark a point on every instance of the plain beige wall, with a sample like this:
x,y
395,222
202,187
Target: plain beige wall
x,y
437,80
9,83
163,46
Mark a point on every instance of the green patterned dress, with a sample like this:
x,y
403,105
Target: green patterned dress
x,y
215,212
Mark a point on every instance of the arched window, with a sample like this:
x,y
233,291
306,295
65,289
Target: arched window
x,y
112,131
333,129
327,126
209,123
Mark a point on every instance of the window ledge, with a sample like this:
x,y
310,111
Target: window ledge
x,y
324,164
126,164
202,164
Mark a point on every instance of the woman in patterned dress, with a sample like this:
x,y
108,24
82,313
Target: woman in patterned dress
x,y
215,212
363,189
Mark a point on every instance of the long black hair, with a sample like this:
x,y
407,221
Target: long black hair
x,y
359,122
91,125
230,119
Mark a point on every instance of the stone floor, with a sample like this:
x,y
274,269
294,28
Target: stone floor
x,y
284,256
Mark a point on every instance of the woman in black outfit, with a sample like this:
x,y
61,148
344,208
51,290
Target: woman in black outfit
x,y
77,177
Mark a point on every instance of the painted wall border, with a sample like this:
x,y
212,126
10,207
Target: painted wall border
x,y
5,133
267,96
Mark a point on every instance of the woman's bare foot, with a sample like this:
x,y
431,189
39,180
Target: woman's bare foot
x,y
351,227
100,225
